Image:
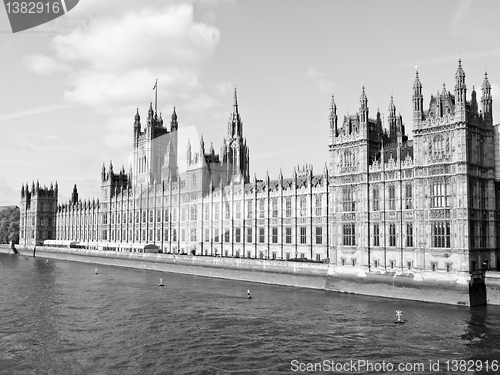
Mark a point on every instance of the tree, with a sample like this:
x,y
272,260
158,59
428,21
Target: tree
x,y
9,224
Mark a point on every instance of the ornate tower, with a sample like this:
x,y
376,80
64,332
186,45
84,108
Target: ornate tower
x,y
37,214
234,152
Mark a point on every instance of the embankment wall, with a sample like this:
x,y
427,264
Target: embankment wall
x,y
298,274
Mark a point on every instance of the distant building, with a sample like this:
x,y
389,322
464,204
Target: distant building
x,y
425,206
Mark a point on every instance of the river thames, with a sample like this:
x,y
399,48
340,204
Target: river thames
x,y
61,317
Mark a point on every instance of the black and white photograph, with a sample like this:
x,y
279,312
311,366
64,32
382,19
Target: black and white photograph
x,y
249,187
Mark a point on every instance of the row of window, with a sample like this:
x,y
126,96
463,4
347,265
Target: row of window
x,y
224,236
440,234
439,193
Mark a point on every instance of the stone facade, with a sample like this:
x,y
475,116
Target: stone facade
x,y
424,207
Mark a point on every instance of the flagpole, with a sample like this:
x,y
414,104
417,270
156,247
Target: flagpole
x,y
156,95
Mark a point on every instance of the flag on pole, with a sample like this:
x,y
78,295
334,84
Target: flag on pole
x,y
155,84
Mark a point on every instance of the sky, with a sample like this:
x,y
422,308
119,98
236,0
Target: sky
x,y
69,89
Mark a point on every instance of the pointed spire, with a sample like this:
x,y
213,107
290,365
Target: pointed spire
x,y
137,118
417,84
363,99
486,99
150,111
174,125
333,106
235,103
486,83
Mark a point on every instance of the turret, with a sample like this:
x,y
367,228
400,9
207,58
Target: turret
x,y
363,109
74,195
486,99
473,102
333,118
391,118
460,88
103,173
150,115
137,126
174,125
418,99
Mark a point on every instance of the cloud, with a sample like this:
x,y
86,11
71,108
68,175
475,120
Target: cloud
x,y
456,23
321,80
33,111
141,38
44,65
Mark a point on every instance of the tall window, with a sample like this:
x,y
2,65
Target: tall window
x,y
207,234
249,209
348,198
318,205
183,213
249,235
237,210
319,235
392,235
227,235
288,204
376,199
376,235
392,197
484,234
303,235
227,211
439,194
262,237
302,205
275,235
275,207
216,235
441,234
193,212
409,235
349,234
216,211
288,235
261,208
409,196
206,212
193,234
237,235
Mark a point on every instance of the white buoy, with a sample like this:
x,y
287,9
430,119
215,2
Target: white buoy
x,y
399,315
46,261
161,282
96,272
248,294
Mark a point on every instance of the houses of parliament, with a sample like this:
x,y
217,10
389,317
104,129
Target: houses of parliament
x,y
426,206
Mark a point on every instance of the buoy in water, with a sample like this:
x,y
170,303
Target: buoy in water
x,y
399,315
46,261
161,282
248,294
96,272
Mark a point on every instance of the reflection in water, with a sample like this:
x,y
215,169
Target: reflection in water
x,y
62,317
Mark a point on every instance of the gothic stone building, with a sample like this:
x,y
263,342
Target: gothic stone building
x,y
425,206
